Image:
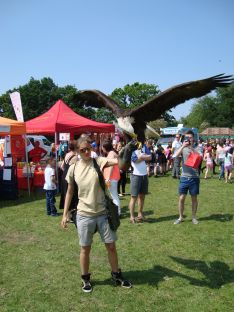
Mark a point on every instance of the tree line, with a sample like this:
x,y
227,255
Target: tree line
x,y
38,96
213,111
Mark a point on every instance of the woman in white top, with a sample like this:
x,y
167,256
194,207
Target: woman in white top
x,y
220,154
228,164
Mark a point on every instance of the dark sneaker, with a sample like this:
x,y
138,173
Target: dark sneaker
x,y
54,214
119,280
86,287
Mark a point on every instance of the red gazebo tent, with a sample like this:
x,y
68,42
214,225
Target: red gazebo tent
x,y
61,118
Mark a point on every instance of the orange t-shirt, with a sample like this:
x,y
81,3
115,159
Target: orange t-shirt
x,y
115,174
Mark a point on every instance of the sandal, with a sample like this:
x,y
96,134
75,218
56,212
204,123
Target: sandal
x,y
139,219
133,221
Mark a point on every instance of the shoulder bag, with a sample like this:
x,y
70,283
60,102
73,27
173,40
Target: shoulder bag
x,y
75,199
111,207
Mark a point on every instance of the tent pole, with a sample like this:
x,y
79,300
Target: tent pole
x,y
56,159
26,156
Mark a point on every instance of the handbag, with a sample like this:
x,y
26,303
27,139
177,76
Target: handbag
x,y
111,208
75,200
194,160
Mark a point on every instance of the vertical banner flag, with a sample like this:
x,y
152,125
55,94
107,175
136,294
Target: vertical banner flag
x,y
16,102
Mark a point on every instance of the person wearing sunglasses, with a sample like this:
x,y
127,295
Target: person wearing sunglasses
x,y
91,214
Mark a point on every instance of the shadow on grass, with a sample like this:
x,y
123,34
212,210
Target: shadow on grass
x,y
167,218
216,274
24,198
125,212
218,217
147,213
151,277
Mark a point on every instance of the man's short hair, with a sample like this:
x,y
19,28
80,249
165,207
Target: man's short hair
x,y
189,132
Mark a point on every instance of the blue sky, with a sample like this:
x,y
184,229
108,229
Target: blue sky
x,y
105,44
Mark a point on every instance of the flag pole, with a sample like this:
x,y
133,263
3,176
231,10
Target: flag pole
x,y
26,157
56,159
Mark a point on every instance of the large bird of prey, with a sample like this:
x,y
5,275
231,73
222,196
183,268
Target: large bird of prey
x,y
133,121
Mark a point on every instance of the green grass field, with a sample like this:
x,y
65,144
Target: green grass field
x,y
182,267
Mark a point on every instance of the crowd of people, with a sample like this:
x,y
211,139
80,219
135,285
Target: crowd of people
x,y
217,155
80,186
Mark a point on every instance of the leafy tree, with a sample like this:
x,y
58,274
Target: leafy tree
x,y
104,115
38,96
204,125
215,111
134,95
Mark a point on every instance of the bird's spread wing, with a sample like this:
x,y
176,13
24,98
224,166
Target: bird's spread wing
x,y
155,107
97,99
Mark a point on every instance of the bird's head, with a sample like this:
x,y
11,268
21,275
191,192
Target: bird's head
x,y
125,123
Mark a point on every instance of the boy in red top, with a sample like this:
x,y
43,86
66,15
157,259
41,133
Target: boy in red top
x,y
37,153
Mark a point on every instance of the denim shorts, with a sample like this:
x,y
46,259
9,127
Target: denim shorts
x,y
189,184
87,226
139,184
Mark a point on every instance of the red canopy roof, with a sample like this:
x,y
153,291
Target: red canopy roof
x,y
61,118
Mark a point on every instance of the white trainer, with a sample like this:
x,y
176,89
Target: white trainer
x,y
178,221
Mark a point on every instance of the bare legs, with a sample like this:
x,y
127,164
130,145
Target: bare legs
x,y
140,201
132,207
206,172
84,259
194,206
181,206
228,176
112,257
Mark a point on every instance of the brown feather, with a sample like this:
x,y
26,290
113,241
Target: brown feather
x,y
98,99
170,98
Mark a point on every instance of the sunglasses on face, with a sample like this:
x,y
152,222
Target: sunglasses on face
x,y
84,150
